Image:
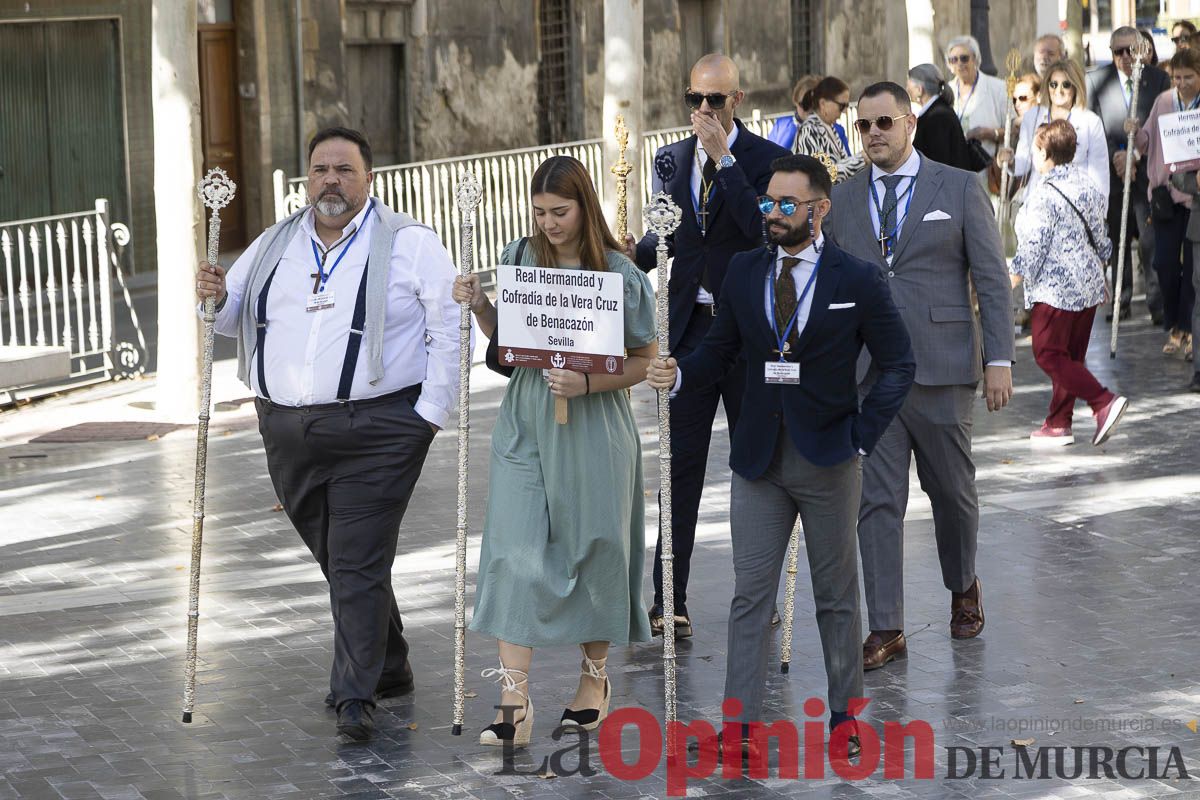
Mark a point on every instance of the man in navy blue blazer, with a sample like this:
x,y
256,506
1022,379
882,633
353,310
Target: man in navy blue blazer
x,y
799,313
715,177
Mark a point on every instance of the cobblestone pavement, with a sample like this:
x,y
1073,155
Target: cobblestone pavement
x,y
1088,559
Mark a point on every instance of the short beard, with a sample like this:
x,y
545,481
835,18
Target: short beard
x,y
333,205
793,237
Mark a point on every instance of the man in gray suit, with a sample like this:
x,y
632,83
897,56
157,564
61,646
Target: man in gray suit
x,y
1109,94
930,229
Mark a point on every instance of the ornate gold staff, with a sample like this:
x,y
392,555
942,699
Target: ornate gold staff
x,y
216,191
662,217
468,195
622,169
1140,50
789,586
1013,62
789,601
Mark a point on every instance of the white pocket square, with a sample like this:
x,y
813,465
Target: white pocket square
x,y
835,306
933,216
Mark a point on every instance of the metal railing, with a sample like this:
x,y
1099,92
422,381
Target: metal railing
x,y
425,190
56,289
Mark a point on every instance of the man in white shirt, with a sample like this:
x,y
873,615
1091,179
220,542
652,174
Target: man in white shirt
x,y
349,338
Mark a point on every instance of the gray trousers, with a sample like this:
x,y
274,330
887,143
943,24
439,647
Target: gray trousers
x,y
934,424
762,514
345,477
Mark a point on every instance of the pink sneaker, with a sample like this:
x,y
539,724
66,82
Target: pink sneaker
x,y
1107,419
1047,436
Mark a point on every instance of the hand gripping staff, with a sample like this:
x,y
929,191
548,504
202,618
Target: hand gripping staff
x,y
216,191
467,194
1140,51
662,217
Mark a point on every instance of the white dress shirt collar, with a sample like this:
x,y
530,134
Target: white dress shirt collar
x,y
908,169
928,103
810,254
308,224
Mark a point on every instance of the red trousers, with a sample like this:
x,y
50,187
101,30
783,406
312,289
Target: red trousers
x,y
1060,343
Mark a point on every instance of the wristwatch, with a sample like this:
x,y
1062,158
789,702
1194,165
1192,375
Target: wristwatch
x,y
726,161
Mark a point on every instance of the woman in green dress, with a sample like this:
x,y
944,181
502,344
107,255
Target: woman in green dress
x,y
563,547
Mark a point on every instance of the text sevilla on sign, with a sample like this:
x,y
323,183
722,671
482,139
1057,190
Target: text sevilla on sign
x,y
563,318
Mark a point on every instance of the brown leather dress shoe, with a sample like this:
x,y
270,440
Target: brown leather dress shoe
x,y
966,613
877,652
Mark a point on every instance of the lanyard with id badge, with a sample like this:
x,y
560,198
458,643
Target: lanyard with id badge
x,y
321,298
783,371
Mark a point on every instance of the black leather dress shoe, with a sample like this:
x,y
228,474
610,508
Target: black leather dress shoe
x,y
384,690
356,720
1126,313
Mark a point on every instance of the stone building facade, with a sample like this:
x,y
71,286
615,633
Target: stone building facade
x,y
430,79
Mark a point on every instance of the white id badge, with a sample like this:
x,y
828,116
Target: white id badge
x,y
319,301
782,372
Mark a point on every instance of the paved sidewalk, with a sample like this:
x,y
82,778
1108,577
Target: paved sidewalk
x,y
1088,557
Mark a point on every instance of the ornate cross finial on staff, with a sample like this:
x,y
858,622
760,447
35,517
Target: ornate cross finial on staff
x,y
621,170
1013,62
467,194
1140,50
662,217
829,164
216,191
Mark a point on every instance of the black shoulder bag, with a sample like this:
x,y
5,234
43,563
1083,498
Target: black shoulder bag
x,y
492,355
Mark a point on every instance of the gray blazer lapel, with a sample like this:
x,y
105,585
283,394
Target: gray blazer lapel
x,y
929,184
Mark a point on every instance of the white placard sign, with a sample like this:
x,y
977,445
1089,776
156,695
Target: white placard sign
x,y
563,318
1179,134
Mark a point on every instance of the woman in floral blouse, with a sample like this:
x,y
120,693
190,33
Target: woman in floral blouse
x,y
1062,248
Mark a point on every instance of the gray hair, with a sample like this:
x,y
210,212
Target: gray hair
x,y
929,78
969,42
1124,30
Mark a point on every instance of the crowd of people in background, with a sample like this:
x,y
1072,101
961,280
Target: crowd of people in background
x,y
961,114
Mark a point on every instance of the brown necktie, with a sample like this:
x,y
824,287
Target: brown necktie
x,y
785,299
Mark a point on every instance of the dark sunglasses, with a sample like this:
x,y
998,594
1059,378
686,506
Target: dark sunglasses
x,y
841,106
883,123
787,205
1122,51
959,59
1022,98
716,101
1180,39
1064,85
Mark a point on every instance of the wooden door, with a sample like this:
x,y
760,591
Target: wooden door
x,y
376,84
221,131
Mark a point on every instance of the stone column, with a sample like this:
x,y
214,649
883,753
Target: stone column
x,y
175,87
624,60
1073,33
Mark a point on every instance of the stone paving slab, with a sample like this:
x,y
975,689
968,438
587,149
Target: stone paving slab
x,y
1088,558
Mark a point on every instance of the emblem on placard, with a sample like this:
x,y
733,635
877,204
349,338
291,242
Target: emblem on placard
x,y
508,356
557,361
610,364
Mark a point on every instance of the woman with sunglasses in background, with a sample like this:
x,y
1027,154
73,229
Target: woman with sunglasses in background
x,y
1063,96
563,537
938,135
827,101
1169,206
980,101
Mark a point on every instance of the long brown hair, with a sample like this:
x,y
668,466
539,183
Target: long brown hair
x,y
567,177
